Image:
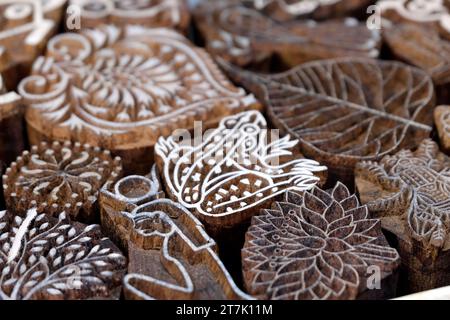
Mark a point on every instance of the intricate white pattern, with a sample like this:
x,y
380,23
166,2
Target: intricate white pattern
x,y
232,170
161,13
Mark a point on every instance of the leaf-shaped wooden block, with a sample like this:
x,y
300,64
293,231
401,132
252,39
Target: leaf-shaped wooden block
x,y
319,245
243,35
346,110
422,47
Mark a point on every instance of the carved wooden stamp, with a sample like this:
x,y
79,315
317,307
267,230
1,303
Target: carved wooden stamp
x,y
148,13
125,195
409,191
121,89
26,26
235,170
171,256
346,110
442,122
60,176
44,257
243,35
321,245
418,32
428,13
11,127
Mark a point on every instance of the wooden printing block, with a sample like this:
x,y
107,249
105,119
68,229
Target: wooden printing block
x,y
60,176
11,125
317,9
50,258
26,27
121,89
442,122
346,110
148,13
429,14
319,245
418,32
237,168
245,36
408,191
170,254
125,195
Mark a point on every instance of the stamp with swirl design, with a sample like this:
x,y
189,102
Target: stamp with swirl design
x,y
123,88
149,13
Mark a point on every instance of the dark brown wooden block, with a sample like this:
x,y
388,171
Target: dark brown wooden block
x,y
317,9
442,122
60,176
128,86
50,258
26,27
319,245
11,125
409,192
346,110
171,256
149,13
422,47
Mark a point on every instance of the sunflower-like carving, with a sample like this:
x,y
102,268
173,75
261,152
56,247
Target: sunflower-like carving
x,y
315,246
60,176
122,88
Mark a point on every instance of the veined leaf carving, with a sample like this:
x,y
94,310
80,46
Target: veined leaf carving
x,y
244,35
42,257
346,110
316,246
